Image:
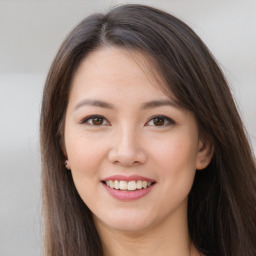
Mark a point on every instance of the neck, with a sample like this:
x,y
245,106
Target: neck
x,y
170,238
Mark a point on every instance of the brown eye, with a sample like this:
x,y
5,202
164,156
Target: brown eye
x,y
158,121
97,120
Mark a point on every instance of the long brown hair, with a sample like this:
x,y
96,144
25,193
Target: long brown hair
x,y
222,202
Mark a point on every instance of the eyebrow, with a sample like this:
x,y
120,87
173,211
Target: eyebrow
x,y
159,103
94,103
146,105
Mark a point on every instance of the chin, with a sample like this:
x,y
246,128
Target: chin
x,y
130,227
126,222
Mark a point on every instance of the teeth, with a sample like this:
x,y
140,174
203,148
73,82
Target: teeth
x,y
116,184
131,185
111,183
123,185
139,184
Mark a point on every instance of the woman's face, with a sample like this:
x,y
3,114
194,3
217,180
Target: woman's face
x,y
132,152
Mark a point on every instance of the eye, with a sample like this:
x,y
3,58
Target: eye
x,y
95,120
160,121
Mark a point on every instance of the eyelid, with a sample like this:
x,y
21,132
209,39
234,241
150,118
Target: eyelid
x,y
87,118
170,121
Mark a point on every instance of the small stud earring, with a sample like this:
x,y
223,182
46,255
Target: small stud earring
x,y
205,164
66,163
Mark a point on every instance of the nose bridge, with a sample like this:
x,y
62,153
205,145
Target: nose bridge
x,y
127,137
127,147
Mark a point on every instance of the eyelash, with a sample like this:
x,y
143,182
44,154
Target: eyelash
x,y
91,117
167,120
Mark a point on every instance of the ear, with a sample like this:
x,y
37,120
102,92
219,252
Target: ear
x,y
67,165
205,152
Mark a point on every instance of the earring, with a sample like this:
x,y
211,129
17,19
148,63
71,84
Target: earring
x,y
66,164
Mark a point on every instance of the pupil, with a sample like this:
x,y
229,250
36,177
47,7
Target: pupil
x,y
158,121
97,121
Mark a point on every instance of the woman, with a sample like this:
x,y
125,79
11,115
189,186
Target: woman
x,y
143,150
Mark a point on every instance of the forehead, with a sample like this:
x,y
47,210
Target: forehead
x,y
127,69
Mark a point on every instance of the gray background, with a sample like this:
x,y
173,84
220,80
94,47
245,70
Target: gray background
x,y
30,34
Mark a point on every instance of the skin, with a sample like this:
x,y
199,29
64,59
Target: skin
x,y
127,140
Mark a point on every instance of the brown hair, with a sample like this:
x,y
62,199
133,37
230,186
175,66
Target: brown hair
x,y
222,202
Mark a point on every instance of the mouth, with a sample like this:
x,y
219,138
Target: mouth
x,y
131,185
128,188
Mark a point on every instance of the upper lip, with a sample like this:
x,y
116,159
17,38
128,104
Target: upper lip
x,y
128,178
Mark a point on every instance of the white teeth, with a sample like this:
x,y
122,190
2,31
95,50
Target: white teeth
x,y
111,184
116,184
131,185
139,184
123,185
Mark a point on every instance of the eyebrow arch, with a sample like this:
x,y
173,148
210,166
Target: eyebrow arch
x,y
159,103
95,103
146,105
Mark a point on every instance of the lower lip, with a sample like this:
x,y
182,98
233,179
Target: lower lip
x,y
128,195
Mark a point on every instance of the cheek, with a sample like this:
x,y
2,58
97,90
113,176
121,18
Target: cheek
x,y
85,155
176,152
176,163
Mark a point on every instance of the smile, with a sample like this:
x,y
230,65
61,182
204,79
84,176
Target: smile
x,y
128,185
128,188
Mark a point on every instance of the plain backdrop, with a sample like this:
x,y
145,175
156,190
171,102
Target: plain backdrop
x,y
30,34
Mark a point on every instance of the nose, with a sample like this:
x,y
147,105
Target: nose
x,y
127,149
